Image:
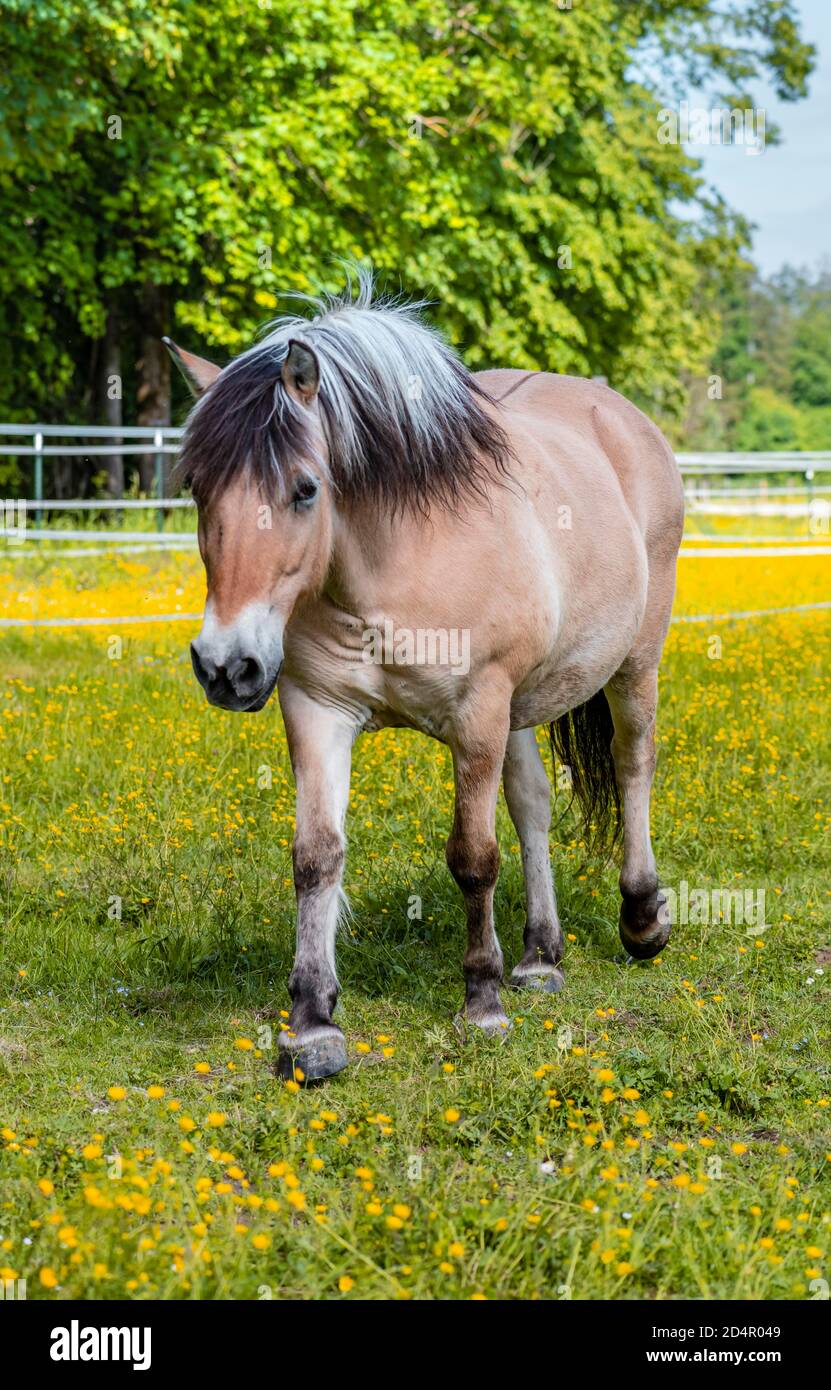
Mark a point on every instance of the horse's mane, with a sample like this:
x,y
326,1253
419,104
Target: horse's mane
x,y
404,421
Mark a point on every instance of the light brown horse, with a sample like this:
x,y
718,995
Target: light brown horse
x,y
390,540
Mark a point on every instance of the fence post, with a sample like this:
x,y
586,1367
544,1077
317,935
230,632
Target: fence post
x,y
38,476
158,441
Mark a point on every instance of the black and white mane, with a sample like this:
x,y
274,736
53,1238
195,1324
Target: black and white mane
x,y
403,419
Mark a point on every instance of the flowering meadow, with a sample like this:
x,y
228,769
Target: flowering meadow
x,y
657,1131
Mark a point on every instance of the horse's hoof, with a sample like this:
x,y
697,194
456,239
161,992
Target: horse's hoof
x,y
493,1025
551,981
644,923
312,1059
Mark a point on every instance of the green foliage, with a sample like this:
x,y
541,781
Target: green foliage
x,y
773,357
502,160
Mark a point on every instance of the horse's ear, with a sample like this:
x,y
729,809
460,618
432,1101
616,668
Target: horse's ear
x,y
301,372
198,372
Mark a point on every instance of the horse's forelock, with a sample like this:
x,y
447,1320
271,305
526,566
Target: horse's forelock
x,y
403,419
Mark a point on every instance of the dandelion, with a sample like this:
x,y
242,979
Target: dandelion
x,y
345,1283
116,1093
48,1277
451,1115
216,1119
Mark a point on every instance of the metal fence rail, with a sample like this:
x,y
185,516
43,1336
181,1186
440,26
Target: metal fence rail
x,y
30,441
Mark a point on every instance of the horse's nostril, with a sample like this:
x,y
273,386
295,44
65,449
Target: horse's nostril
x,y
246,676
200,670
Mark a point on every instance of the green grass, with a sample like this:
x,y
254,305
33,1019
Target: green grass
x,y
120,783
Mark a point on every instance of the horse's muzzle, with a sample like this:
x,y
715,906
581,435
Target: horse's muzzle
x,y
243,685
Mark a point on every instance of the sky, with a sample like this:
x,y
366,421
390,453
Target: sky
x,y
786,191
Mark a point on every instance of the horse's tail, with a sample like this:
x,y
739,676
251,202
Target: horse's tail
x,y
582,741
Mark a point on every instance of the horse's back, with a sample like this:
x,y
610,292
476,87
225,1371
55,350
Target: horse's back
x,y
555,411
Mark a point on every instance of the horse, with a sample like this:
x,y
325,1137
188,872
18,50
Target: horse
x,y
392,540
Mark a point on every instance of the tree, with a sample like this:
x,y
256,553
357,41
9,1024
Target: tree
x,y
184,163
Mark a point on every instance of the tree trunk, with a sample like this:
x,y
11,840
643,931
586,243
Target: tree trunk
x,y
110,393
153,376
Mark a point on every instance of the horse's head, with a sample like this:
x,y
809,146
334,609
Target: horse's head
x,y
255,456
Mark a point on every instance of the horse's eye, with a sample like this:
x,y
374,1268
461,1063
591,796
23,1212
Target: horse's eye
x,y
304,493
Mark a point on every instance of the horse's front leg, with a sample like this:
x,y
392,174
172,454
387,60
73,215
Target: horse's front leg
x,y
473,854
320,745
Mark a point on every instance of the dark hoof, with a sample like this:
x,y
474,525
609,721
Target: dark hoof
x,y
306,1062
644,923
550,981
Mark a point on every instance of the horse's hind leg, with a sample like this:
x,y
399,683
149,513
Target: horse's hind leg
x,y
528,795
633,696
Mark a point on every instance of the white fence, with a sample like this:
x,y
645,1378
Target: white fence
x,y
807,495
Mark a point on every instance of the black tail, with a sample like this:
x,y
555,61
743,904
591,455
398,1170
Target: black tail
x,y
582,741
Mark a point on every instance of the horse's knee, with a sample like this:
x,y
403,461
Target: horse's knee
x,y
474,866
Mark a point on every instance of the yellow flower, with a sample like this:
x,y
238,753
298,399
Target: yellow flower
x,y
451,1115
244,1044
216,1119
641,1118
202,1068
155,1092
48,1278
296,1199
116,1093
92,1151
624,1267
46,1187
605,1074
261,1241
456,1249
402,1210
345,1283
187,1124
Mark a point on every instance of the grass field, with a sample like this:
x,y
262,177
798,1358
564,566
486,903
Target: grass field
x,y
658,1131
